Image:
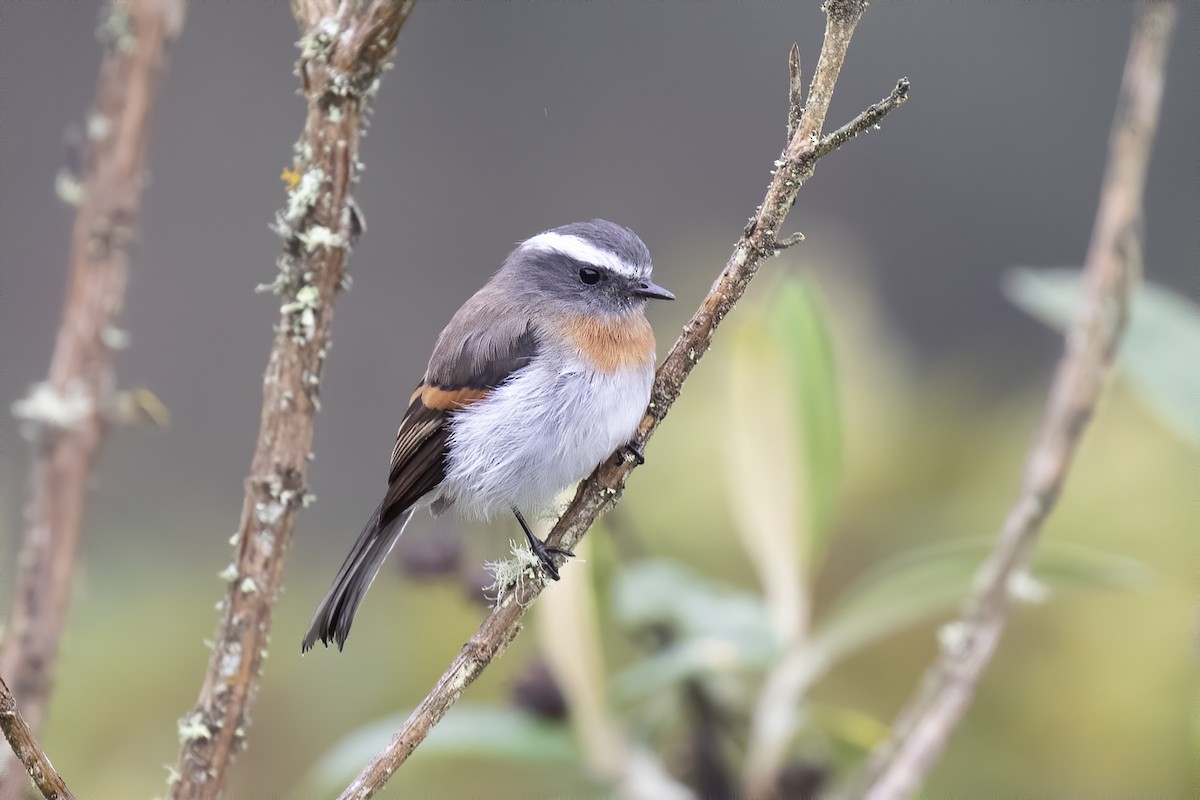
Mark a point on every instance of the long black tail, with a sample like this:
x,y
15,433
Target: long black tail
x,y
336,612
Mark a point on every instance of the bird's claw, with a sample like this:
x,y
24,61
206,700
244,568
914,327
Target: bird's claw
x,y
632,451
545,554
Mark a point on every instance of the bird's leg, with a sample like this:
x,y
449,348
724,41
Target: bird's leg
x,y
543,551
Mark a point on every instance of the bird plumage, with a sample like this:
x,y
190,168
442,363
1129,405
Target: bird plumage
x,y
535,380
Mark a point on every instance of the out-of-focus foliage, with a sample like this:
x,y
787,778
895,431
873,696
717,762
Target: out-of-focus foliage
x,y
783,439
679,610
932,580
800,326
501,733
707,628
705,645
1161,349
940,381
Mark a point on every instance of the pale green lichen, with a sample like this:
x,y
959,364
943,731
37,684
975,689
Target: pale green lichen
x,y
320,236
269,513
229,573
952,637
301,313
114,338
98,127
248,585
318,42
45,407
1026,588
231,660
193,727
68,187
305,195
511,573
116,28
463,676
275,286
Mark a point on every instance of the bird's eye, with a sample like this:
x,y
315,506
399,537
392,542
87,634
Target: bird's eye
x,y
589,275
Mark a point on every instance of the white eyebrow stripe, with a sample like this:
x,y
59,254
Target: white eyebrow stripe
x,y
580,250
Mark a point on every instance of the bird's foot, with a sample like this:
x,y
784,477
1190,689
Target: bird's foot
x,y
546,553
631,451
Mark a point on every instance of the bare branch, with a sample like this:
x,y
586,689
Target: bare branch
x,y
864,121
67,416
28,751
790,241
344,49
603,488
899,766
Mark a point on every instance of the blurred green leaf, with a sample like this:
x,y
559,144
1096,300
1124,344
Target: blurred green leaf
x,y
847,725
800,321
783,444
497,732
712,627
764,470
1161,349
934,579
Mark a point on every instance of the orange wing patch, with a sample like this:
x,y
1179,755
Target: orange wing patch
x,y
446,399
625,343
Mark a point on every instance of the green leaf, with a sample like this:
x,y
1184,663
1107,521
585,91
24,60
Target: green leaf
x,y
713,627
848,726
933,580
763,468
497,732
783,444
1161,348
799,319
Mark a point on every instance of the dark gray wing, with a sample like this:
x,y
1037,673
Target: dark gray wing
x,y
472,357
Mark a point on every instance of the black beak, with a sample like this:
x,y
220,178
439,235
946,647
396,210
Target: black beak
x,y
651,291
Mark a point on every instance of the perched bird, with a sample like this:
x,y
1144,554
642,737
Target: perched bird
x,y
538,378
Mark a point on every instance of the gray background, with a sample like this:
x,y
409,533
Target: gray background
x,y
498,121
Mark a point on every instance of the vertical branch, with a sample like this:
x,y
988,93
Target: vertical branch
x,y
344,48
67,416
899,766
602,489
27,750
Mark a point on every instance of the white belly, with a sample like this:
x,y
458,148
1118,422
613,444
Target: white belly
x,y
539,433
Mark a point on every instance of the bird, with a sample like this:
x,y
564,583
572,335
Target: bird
x,y
539,377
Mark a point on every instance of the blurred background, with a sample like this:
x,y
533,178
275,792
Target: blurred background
x,y
911,385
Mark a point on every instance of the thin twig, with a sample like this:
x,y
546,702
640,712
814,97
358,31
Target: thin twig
x,y
865,121
28,751
344,49
67,416
602,489
899,766
795,91
790,241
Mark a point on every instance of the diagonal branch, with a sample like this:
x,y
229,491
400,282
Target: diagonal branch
x,y
66,417
601,491
899,766
345,46
28,751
